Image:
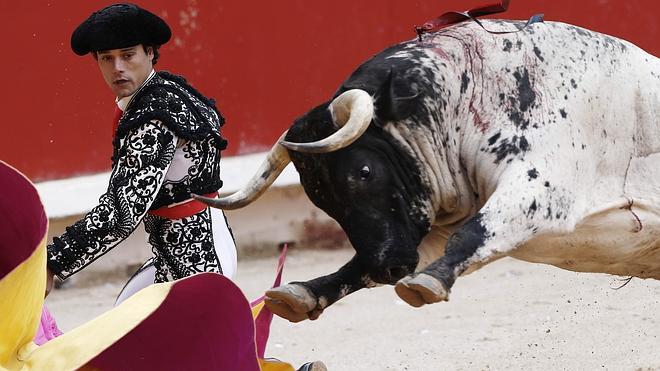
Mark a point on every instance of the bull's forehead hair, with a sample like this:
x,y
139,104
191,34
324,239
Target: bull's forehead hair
x,y
314,125
313,168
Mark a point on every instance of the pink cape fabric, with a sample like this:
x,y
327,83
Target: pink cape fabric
x,y
204,323
265,316
47,328
237,342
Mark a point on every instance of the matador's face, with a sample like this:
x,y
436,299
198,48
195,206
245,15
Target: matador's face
x,y
124,70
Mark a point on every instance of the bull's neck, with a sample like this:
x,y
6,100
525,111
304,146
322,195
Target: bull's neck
x,y
439,139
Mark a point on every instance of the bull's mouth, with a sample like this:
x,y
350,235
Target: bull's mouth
x,y
389,261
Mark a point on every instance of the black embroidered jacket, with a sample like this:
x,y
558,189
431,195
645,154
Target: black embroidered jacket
x,y
167,146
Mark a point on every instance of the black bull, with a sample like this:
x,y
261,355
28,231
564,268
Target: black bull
x,y
380,157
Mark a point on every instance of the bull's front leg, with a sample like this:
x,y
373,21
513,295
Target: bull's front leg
x,y
498,228
297,301
433,283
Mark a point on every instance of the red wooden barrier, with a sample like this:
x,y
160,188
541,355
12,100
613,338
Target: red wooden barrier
x,y
265,62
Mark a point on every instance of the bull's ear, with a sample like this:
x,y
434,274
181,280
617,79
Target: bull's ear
x,y
397,99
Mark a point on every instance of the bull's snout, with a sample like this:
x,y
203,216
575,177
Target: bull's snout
x,y
391,275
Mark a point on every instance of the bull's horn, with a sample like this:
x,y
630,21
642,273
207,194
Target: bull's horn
x,y
352,111
270,169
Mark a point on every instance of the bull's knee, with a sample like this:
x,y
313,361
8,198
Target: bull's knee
x,y
421,289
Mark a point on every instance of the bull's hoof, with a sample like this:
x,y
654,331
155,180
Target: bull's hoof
x,y
421,289
293,302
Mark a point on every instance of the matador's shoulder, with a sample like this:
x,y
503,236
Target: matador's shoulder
x,y
169,99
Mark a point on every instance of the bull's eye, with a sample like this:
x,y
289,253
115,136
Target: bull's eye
x,y
365,172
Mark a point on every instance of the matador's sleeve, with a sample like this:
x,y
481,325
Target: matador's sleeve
x,y
145,155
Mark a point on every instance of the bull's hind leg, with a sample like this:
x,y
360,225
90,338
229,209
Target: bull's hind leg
x,y
297,301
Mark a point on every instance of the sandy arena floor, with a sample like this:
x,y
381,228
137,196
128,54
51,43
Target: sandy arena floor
x,y
508,316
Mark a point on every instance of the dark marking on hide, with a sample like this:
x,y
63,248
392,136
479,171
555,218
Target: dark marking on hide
x,y
516,117
507,45
548,213
525,97
563,113
493,139
519,44
537,51
532,209
574,84
524,145
513,147
465,81
532,174
547,184
525,92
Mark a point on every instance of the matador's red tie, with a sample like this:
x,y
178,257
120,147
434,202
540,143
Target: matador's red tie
x,y
115,120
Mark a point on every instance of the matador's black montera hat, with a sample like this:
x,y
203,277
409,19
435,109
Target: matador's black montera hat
x,y
119,26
